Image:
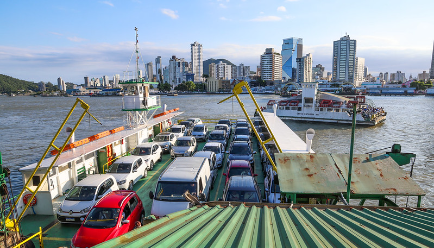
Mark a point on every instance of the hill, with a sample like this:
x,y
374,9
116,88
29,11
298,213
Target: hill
x,y
207,62
13,85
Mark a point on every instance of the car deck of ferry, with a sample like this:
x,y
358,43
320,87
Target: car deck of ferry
x,y
56,234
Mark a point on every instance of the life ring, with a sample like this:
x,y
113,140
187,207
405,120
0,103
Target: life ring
x,y
27,197
169,122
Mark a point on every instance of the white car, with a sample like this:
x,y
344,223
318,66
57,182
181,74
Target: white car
x,y
184,147
223,127
200,132
178,130
166,140
150,152
128,170
218,149
81,198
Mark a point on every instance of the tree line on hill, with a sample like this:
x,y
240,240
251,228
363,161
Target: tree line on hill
x,y
10,85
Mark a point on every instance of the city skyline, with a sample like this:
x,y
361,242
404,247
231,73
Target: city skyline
x,y
95,38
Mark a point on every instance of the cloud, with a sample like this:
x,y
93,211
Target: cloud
x,y
172,14
222,6
224,18
281,8
266,19
108,3
59,34
76,39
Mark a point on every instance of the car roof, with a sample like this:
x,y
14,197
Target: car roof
x,y
94,180
242,136
241,120
183,169
127,159
178,126
213,144
146,144
241,128
241,183
239,163
186,138
240,143
221,125
200,125
194,119
203,154
218,131
164,134
114,199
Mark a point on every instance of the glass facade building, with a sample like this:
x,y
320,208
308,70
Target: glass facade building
x,y
292,48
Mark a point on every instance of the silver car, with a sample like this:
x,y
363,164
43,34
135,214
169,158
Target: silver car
x,y
200,132
184,147
218,149
218,136
166,140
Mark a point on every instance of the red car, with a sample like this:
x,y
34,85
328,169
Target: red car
x,y
114,215
237,168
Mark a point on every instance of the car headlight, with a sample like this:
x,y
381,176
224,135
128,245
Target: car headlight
x,y
85,210
60,209
122,182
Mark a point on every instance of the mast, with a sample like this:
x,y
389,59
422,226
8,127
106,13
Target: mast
x,y
137,54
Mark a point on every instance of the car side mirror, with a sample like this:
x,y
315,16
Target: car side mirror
x,y
135,170
125,222
151,195
224,174
255,175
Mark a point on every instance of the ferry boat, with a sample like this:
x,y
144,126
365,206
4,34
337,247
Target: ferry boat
x,y
313,105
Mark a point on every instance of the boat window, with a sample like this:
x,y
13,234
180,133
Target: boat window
x,y
36,180
173,191
140,151
102,218
120,168
63,168
308,100
88,156
81,193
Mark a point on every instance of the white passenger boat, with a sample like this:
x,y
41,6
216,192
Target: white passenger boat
x,y
313,105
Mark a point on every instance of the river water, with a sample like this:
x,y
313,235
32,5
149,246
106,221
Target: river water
x,y
28,124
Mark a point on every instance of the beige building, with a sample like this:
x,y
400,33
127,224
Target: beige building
x,y
213,84
271,65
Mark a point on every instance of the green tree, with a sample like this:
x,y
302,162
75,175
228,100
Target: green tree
x,y
261,82
190,86
166,87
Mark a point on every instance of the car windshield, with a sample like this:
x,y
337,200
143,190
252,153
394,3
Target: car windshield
x,y
102,218
243,196
239,172
175,130
198,128
120,168
242,131
183,143
81,193
217,136
241,138
214,149
220,128
160,138
227,122
242,150
173,191
140,151
242,124
186,123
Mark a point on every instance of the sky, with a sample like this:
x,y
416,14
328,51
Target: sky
x,y
43,40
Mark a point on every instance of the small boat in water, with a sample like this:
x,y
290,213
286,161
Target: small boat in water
x,y
312,105
172,94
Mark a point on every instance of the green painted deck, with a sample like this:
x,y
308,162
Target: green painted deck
x,y
58,235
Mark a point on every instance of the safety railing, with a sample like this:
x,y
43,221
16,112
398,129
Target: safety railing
x,y
41,243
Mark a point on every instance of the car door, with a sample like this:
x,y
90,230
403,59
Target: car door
x,y
137,170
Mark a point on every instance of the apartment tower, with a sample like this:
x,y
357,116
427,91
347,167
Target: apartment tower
x,y
344,59
197,61
271,65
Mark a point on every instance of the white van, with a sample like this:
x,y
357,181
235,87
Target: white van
x,y
184,173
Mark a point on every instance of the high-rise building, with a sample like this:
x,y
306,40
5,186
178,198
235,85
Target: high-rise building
x,y
177,70
158,68
431,73
359,72
304,69
318,72
243,71
386,76
220,71
344,59
197,61
149,71
424,76
271,65
106,80
365,73
397,77
86,82
61,84
212,71
292,48
381,76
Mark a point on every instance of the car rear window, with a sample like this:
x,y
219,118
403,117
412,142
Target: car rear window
x,y
243,196
120,168
81,193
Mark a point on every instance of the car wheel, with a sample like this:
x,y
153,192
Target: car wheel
x,y
161,157
130,186
151,166
142,218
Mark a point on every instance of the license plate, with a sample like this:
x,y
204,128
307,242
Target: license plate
x,y
69,219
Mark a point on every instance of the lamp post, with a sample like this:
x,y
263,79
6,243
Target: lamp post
x,y
350,166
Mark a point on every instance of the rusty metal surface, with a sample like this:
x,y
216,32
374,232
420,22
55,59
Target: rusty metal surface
x,y
378,175
308,173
